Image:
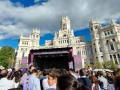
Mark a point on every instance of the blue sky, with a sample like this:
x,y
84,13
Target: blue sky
x,y
28,3
21,16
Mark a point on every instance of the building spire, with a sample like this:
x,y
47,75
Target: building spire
x,y
65,23
113,22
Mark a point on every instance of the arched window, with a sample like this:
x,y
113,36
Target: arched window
x,y
118,56
33,36
115,58
100,49
64,26
64,35
96,27
107,42
111,32
105,33
37,36
23,54
113,39
112,46
111,57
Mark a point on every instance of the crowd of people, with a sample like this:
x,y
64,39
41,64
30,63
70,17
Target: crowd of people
x,y
58,79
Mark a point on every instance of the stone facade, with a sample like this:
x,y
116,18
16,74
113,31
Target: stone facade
x,y
105,41
26,43
63,38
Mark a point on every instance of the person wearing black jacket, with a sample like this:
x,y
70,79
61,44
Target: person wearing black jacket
x,y
83,79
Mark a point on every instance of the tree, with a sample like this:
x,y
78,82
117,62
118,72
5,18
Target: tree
x,y
89,65
109,65
98,64
7,55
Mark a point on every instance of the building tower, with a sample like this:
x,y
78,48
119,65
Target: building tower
x,y
105,41
96,47
35,38
64,37
65,23
66,27
111,42
26,43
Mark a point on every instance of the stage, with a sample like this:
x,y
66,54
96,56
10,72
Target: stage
x,y
52,58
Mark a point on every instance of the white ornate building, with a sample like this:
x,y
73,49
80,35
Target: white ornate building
x,y
63,38
26,43
105,41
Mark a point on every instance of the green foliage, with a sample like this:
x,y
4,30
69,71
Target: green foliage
x,y
98,64
109,65
88,64
7,55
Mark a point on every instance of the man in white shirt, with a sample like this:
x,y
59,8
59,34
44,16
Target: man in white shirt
x,y
33,81
5,84
103,81
46,86
50,82
25,77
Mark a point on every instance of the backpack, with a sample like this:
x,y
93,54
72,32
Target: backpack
x,y
85,81
101,85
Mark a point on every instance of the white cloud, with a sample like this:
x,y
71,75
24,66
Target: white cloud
x,y
2,37
16,20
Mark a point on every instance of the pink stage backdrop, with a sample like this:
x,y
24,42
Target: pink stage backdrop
x,y
77,62
24,62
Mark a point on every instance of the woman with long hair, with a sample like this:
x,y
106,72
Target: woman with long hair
x,y
69,82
